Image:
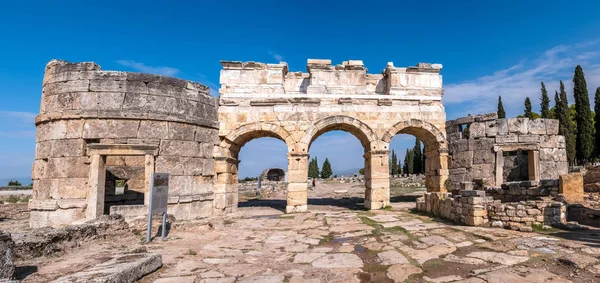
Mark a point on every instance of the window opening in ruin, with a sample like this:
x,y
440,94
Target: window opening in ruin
x,y
464,130
262,173
516,165
124,181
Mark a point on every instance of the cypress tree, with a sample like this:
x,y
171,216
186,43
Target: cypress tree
x,y
597,118
417,157
311,169
545,102
565,127
585,135
528,113
317,171
326,171
501,113
410,162
405,167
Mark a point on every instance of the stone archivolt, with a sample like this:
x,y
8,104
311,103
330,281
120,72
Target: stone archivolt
x,y
91,120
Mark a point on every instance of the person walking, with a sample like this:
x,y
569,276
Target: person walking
x,y
314,183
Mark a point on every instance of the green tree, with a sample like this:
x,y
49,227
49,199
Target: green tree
x,y
417,159
313,168
14,183
545,102
501,113
566,125
361,171
391,164
410,162
395,167
326,171
597,118
528,113
585,134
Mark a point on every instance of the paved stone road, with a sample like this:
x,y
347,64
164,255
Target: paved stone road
x,y
263,245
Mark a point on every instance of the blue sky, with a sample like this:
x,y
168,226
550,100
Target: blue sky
x,y
488,48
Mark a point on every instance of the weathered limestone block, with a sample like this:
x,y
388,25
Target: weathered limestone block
x,y
462,159
7,265
518,126
477,130
486,117
571,187
529,139
502,126
180,148
491,128
110,129
484,156
537,126
511,138
152,129
552,126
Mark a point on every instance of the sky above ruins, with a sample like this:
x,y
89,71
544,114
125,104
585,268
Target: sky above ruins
x,y
487,49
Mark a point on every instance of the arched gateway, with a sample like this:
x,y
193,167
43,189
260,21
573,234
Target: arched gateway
x,y
266,100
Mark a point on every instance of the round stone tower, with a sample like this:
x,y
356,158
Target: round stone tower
x,y
101,135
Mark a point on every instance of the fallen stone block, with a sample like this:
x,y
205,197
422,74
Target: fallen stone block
x,y
120,268
7,265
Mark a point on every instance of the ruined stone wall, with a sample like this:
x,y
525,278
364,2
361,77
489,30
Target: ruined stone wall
x,y
172,122
474,208
523,191
476,154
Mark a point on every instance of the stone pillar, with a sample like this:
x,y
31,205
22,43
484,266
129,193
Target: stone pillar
x,y
533,164
377,179
97,180
226,187
148,172
499,167
297,196
436,170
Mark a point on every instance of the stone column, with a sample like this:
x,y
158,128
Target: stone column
x,y
226,186
499,167
533,164
97,180
436,170
148,172
377,179
297,196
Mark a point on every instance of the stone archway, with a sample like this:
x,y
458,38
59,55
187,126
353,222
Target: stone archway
x,y
377,193
226,159
435,148
259,99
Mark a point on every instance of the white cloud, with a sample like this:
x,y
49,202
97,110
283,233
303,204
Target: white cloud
x,y
141,67
22,117
276,56
523,79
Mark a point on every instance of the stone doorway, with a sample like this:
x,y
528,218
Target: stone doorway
x,y
112,162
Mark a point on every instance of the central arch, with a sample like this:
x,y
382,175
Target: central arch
x,y
357,128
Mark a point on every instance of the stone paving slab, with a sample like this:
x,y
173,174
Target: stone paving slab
x,y
119,268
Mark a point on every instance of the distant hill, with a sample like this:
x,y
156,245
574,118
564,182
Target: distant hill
x,y
347,172
23,180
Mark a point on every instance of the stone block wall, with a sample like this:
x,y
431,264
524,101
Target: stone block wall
x,y
477,144
522,215
170,122
523,191
474,208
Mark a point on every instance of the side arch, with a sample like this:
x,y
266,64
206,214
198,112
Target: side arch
x,y
359,129
429,134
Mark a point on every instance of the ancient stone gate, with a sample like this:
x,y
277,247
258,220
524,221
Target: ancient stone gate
x,y
266,100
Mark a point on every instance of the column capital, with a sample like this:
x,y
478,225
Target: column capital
x,y
299,155
227,159
376,152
